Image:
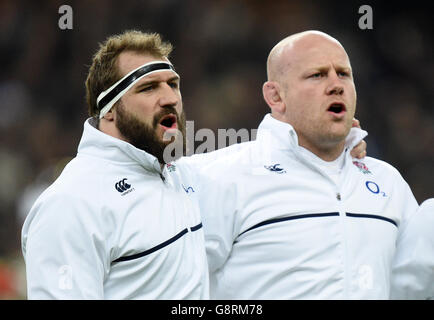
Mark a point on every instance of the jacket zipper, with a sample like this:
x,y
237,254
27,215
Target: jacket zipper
x,y
338,195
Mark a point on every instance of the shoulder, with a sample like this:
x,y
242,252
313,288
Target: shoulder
x,y
386,175
70,201
379,167
59,206
73,183
221,158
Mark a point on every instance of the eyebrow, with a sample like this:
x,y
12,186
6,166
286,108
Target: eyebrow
x,y
153,82
326,68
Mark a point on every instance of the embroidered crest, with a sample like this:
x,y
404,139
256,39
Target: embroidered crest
x,y
171,167
362,167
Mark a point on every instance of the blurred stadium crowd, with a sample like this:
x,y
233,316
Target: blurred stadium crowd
x,y
220,52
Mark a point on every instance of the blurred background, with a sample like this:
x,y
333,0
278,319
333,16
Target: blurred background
x,y
220,52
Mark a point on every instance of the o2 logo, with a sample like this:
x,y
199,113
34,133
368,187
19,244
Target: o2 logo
x,y
374,188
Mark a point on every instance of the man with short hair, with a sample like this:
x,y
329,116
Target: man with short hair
x,y
294,216
118,223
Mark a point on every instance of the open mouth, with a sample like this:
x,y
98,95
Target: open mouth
x,y
168,121
336,108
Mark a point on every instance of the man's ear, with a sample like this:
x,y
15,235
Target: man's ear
x,y
110,115
272,96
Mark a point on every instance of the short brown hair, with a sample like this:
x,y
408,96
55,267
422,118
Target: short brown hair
x,y
104,72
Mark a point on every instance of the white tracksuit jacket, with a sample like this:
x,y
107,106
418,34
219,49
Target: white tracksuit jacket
x,y
413,267
114,226
281,223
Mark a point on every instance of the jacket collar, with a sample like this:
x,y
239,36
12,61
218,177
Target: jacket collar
x,y
281,135
100,145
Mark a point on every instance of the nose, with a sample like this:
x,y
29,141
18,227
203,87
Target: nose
x,y
335,86
168,96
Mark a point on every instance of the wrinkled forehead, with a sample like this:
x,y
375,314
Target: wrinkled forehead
x,y
314,51
130,60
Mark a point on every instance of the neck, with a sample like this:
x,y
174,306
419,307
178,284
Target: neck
x,y
328,152
327,149
109,127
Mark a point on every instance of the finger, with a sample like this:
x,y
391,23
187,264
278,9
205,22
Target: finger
x,y
361,155
356,123
359,151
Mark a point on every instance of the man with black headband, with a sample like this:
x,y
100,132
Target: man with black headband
x,y
119,223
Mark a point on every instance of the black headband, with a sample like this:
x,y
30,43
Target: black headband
x,y
130,79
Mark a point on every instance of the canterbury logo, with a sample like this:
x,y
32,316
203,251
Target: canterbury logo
x,y
275,168
122,186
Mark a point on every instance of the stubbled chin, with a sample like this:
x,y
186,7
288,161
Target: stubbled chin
x,y
340,130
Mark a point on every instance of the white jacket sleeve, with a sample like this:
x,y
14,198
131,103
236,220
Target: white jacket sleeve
x,y
218,206
413,266
65,256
